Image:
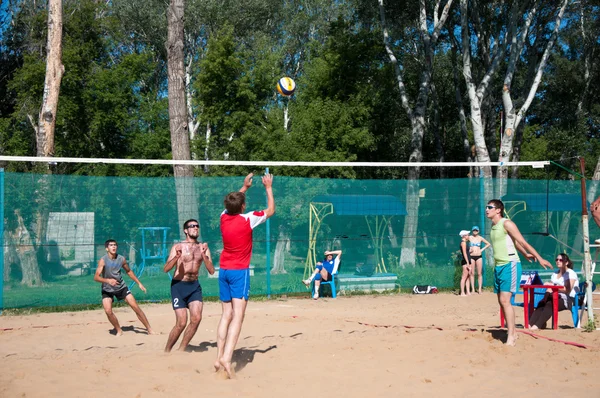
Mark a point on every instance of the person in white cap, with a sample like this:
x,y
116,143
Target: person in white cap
x,y
465,262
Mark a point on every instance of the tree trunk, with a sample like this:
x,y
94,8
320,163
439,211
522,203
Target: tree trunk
x,y
411,221
10,255
588,57
517,151
286,118
282,247
26,253
596,176
54,73
437,131
187,200
193,124
512,118
392,236
44,134
461,109
429,36
207,147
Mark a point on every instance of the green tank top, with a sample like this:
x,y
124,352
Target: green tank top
x,y
503,245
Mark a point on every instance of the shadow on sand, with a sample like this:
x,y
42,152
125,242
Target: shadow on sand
x,y
244,356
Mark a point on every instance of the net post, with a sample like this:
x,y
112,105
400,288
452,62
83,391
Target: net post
x,y
268,256
587,258
1,240
482,204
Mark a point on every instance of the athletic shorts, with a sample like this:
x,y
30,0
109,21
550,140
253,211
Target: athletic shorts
x,y
507,277
119,294
184,292
319,277
234,283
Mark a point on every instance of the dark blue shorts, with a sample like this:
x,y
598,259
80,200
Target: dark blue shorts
x,y
184,292
234,283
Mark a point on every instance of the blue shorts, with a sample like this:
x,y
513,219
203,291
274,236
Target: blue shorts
x,y
184,292
319,277
507,277
234,283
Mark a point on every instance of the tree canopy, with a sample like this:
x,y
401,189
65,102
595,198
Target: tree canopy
x,y
347,106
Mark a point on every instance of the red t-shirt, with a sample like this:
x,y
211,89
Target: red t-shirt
x,y
236,231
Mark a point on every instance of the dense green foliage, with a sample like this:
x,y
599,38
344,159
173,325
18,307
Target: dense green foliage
x,y
347,106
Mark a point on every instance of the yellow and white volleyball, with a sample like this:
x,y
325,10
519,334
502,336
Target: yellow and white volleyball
x,y
286,86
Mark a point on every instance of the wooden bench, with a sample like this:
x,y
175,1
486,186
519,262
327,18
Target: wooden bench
x,y
375,282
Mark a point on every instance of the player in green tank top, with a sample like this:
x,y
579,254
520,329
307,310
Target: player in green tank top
x,y
506,240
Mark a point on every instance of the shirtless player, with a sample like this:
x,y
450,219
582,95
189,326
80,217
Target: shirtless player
x,y
186,293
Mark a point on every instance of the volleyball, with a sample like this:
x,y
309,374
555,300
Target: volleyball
x,y
286,86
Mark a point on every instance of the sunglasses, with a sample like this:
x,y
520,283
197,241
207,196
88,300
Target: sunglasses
x,y
490,207
559,259
192,226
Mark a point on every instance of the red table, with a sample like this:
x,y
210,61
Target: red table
x,y
528,302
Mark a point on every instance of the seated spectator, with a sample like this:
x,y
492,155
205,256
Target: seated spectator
x,y
564,276
324,270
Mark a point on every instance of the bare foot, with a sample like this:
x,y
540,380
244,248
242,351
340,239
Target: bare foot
x,y
118,333
463,295
228,369
512,341
152,332
217,365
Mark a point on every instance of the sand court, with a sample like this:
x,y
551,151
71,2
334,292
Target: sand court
x,y
382,345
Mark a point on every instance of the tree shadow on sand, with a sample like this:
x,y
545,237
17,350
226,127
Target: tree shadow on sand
x,y
244,356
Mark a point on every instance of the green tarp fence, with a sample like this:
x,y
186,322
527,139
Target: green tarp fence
x,y
59,224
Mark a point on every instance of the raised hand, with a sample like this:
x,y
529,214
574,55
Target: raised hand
x,y
248,180
267,180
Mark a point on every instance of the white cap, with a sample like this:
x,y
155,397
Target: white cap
x,y
464,232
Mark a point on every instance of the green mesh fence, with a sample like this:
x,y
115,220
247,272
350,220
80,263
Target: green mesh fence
x,y
55,227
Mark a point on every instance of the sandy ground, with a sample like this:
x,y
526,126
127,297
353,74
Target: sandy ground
x,y
361,346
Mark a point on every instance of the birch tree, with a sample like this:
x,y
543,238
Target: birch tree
x,y
429,34
46,122
491,55
590,51
518,36
187,200
44,138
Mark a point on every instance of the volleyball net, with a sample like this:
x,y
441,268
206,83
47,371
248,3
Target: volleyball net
x,y
55,225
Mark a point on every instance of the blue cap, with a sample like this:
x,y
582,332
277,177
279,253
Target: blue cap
x,y
475,227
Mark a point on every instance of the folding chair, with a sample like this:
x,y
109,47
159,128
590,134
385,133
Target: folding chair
x,y
577,309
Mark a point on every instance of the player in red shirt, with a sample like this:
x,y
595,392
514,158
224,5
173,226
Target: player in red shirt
x,y
234,271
